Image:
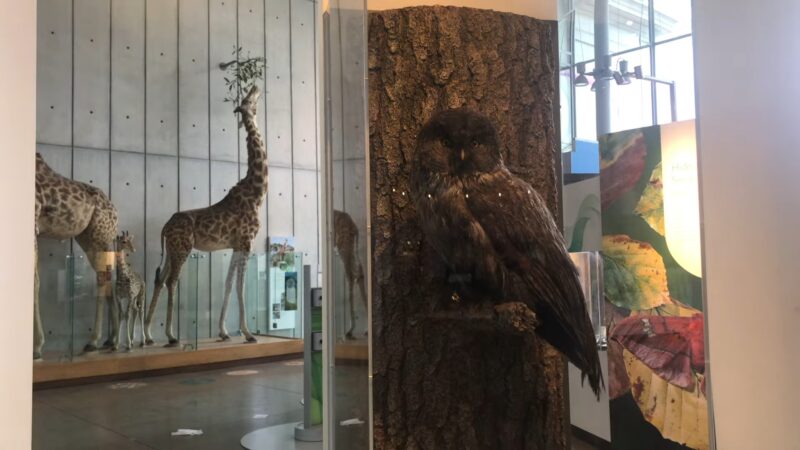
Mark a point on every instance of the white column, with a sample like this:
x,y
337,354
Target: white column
x,y
18,131
747,63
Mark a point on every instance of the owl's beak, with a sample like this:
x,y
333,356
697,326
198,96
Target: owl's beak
x,y
463,154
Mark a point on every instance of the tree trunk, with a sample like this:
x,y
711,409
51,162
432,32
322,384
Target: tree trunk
x,y
448,375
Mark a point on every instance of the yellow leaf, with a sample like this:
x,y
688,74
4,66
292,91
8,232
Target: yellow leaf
x,y
671,308
634,275
651,204
680,415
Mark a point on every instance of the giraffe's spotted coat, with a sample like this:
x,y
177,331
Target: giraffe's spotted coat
x,y
67,209
231,223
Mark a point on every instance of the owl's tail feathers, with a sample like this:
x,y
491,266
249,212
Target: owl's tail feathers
x,y
591,369
564,323
580,348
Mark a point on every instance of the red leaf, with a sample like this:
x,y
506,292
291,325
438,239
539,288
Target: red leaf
x,y
622,174
672,347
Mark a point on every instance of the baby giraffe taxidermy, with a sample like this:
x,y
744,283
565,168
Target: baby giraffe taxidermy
x,y
131,287
231,223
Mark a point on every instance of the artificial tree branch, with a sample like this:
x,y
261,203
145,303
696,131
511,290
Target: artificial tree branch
x,y
225,65
512,317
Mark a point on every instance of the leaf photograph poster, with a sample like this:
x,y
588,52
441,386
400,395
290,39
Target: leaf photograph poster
x,y
656,353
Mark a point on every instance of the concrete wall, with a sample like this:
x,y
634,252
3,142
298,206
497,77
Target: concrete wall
x,y
131,101
17,127
751,212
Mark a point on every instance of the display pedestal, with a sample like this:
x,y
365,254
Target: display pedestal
x,y
278,437
311,434
296,436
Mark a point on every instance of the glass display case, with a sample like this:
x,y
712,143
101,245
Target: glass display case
x,y
347,273
68,299
142,119
285,288
273,299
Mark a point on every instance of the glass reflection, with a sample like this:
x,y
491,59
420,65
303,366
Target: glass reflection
x,y
347,317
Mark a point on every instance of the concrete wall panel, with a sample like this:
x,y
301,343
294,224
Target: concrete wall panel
x,y
278,79
281,206
252,40
92,74
54,72
304,115
224,134
162,77
127,75
306,220
193,72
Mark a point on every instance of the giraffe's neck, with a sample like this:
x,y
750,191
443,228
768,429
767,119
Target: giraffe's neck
x,y
256,177
123,268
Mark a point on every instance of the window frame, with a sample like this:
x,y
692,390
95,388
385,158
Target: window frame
x,y
569,21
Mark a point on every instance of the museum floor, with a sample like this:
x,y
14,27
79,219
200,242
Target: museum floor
x,y
142,413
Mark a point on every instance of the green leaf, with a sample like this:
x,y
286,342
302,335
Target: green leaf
x,y
651,204
634,275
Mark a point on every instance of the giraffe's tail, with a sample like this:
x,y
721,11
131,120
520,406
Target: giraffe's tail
x,y
161,262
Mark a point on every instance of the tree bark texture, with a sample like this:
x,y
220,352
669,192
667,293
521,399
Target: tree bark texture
x,y
448,375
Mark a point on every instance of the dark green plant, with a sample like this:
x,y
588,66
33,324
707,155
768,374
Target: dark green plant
x,y
242,73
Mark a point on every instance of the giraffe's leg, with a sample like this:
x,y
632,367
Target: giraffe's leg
x,y
176,263
362,289
172,341
141,312
159,284
130,322
113,335
38,331
223,332
100,300
351,304
101,261
241,270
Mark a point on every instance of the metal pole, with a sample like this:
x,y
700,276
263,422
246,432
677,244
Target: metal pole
x,y
673,101
602,68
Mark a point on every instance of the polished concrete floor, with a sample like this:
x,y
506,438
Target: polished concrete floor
x,y
142,413
225,404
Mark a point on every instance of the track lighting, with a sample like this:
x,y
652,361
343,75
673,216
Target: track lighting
x,y
622,76
581,79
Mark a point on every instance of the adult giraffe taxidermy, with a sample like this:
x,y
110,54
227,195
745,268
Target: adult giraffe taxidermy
x,y
67,209
345,241
232,223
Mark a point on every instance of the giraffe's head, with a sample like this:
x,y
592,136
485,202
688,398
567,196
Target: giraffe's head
x,y
125,242
250,101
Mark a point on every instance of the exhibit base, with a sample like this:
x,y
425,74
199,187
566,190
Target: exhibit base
x,y
148,359
308,434
279,437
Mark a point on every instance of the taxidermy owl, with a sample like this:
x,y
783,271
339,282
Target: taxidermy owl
x,y
495,233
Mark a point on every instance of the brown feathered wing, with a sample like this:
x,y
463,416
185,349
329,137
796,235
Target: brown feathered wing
x,y
530,246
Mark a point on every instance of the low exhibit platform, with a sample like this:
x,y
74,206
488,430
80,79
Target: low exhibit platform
x,y
352,350
105,365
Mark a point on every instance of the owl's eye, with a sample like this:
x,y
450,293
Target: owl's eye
x,y
446,142
475,143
